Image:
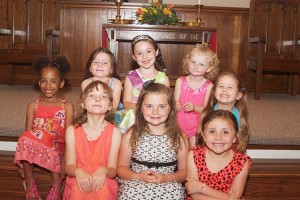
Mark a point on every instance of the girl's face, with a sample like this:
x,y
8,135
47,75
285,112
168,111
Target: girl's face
x,y
219,135
97,101
50,82
101,65
227,90
144,54
156,109
198,64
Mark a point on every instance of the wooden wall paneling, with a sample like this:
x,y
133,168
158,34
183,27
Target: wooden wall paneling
x,y
3,23
35,22
28,21
264,15
225,20
17,19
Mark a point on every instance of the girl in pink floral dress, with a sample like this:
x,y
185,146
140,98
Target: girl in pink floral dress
x,y
47,117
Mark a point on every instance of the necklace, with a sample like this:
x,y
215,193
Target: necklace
x,y
91,136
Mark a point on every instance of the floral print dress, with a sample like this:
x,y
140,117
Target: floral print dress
x,y
44,143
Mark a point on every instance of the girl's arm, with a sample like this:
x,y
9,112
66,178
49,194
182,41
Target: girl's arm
x,y
69,108
239,181
125,155
166,81
209,88
84,84
30,115
199,190
127,98
69,113
177,92
83,179
116,93
180,174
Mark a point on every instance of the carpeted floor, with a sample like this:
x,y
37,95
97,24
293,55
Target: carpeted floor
x,y
273,120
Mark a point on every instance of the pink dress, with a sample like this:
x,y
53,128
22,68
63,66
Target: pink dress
x,y
189,121
44,143
90,155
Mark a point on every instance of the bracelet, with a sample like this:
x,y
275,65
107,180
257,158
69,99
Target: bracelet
x,y
201,188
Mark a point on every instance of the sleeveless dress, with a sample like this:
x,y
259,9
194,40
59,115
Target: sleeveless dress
x,y
223,179
90,155
154,152
44,144
189,121
137,82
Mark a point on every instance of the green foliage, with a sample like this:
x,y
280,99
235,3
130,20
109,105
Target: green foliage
x,y
157,13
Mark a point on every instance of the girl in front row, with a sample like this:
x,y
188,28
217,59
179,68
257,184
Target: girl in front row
x,y
43,141
152,160
92,147
217,168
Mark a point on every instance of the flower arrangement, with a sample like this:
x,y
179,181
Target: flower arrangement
x,y
157,13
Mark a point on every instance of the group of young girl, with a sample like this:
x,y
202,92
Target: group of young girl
x,y
159,144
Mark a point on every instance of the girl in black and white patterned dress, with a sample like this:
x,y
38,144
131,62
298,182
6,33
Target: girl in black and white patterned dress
x,y
152,159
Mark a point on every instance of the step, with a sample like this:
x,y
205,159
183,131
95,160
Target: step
x,y
268,179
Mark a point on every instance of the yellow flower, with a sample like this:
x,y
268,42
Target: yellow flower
x,y
153,11
166,11
144,10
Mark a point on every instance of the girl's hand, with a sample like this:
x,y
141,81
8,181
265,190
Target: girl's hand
x,y
178,106
147,176
232,196
98,179
83,180
192,186
188,107
161,178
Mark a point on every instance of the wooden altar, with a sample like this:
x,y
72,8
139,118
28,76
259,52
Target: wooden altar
x,y
174,41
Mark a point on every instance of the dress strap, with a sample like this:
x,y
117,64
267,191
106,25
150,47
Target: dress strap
x,y
111,83
36,104
63,103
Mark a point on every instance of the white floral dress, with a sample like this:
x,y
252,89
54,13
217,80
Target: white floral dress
x,y
153,153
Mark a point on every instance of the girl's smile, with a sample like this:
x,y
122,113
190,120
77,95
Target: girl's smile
x,y
101,65
144,54
227,90
219,135
155,109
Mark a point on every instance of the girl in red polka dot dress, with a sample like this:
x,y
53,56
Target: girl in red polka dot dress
x,y
218,168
